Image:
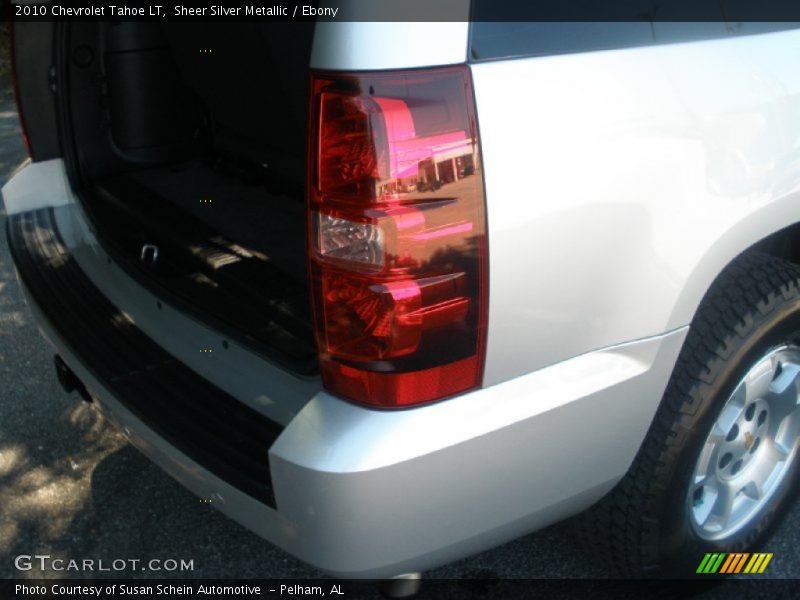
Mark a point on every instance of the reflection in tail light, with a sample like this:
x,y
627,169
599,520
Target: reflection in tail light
x,y
397,231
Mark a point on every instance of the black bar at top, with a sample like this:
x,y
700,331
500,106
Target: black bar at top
x,y
418,10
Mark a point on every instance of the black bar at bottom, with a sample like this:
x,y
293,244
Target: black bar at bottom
x,y
551,589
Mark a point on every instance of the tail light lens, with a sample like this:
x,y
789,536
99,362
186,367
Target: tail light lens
x,y
397,232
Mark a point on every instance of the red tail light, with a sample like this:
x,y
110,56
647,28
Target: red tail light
x,y
15,84
397,231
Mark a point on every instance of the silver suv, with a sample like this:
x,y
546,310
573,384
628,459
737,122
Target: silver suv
x,y
462,281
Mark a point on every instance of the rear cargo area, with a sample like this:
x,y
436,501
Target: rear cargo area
x,y
189,146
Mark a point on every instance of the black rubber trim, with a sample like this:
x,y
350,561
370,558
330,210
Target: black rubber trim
x,y
214,429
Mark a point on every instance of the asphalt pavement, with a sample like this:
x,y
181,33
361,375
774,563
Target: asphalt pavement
x,y
71,486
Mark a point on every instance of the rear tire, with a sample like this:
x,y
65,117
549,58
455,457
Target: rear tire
x,y
718,467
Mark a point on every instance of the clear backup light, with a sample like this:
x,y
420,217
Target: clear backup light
x,y
397,228
356,242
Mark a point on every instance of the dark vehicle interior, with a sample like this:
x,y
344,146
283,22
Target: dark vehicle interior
x,y
189,154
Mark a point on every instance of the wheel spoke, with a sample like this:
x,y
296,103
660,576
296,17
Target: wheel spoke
x,y
787,432
706,463
779,452
721,510
739,395
784,411
730,413
757,381
783,394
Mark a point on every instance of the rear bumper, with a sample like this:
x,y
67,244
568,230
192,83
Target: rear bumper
x,y
367,493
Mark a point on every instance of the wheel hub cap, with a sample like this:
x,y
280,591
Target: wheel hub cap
x,y
750,448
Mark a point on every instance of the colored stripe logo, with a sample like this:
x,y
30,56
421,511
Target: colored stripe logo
x,y
734,563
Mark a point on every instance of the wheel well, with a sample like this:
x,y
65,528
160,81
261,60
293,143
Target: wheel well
x,y
782,244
